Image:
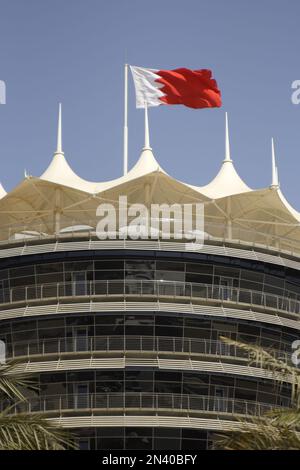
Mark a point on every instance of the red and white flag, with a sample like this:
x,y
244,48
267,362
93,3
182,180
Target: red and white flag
x,y
192,88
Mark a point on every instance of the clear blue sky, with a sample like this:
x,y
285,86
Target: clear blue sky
x,y
74,50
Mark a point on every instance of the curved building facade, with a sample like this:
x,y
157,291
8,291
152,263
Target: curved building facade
x,y
124,335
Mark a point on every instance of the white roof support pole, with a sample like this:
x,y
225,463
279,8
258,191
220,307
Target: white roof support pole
x,y
125,149
229,221
57,211
147,194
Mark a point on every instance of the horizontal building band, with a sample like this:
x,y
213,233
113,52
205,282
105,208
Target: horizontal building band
x,y
93,330
159,345
144,288
212,271
123,362
140,402
144,421
52,309
26,246
142,379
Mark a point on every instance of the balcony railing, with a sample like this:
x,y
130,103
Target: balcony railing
x,y
212,232
126,343
140,401
148,288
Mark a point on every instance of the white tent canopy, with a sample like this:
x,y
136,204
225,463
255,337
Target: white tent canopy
x,y
60,199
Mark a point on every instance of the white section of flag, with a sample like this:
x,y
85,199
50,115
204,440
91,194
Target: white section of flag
x,y
147,90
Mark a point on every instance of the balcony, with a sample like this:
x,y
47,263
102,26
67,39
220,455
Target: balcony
x,y
214,233
158,345
157,289
137,402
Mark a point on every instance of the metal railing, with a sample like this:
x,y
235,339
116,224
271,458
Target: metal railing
x,y
212,232
140,401
152,288
126,343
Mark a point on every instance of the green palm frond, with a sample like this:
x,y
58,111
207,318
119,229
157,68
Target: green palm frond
x,y
25,431
277,429
12,381
265,437
267,360
260,433
31,432
289,417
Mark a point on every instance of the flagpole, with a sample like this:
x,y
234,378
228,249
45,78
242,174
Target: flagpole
x,y
125,151
147,137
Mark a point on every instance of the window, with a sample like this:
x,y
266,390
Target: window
x,y
169,266
220,399
169,276
1,292
284,402
226,291
79,284
142,270
198,278
21,271
139,265
80,338
109,264
199,268
80,395
84,443
79,266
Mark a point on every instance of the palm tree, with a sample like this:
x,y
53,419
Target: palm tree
x,y
25,431
278,429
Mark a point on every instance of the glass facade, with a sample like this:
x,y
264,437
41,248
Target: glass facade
x,y
160,382
258,277
153,388
114,331
144,439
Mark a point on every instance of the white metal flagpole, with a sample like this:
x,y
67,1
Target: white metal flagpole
x,y
125,154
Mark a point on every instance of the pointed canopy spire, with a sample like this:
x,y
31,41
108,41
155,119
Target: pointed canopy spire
x,y
59,133
147,134
227,182
275,182
147,162
227,143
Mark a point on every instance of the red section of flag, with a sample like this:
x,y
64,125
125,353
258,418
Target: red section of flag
x,y
192,88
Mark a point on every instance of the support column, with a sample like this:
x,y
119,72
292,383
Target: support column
x,y
57,211
229,221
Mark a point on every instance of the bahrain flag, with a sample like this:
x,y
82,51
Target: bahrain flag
x,y
193,88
